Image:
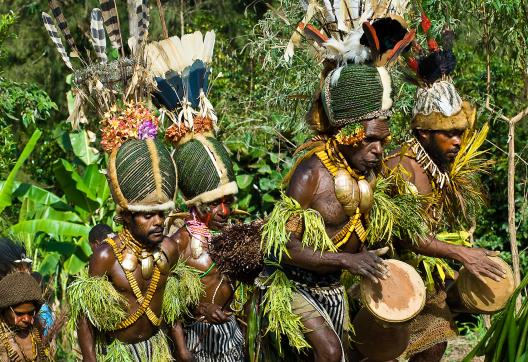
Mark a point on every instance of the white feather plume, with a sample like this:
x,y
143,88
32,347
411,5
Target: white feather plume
x,y
348,50
208,47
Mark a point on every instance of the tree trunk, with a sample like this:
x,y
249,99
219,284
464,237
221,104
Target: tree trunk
x,y
512,227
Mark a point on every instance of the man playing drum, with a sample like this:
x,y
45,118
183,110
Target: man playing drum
x,y
431,163
319,228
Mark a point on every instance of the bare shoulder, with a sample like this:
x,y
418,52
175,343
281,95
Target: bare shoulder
x,y
177,241
306,179
102,260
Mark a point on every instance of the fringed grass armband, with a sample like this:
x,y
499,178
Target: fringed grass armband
x,y
182,292
397,214
98,300
276,235
277,303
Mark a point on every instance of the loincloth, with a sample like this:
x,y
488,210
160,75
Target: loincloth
x,y
210,342
154,349
432,326
326,302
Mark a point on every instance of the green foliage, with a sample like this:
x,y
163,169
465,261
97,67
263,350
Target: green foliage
x,y
282,321
275,234
182,292
96,299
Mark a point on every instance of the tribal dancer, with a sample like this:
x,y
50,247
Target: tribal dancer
x,y
319,228
207,182
20,334
441,160
123,306
213,335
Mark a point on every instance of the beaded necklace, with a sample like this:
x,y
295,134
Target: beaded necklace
x,y
334,162
143,300
37,350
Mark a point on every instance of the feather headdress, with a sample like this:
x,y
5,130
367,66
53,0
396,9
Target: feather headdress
x,y
117,90
182,68
438,105
357,31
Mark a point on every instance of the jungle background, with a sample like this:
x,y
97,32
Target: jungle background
x,y
58,192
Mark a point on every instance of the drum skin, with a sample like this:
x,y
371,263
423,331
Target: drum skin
x,y
377,341
396,299
486,296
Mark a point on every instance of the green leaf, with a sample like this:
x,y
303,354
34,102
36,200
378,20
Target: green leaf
x,y
245,202
243,181
96,181
268,198
80,142
76,191
7,187
36,194
49,264
55,228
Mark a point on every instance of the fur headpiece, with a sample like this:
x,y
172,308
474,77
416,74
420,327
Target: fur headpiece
x,y
17,288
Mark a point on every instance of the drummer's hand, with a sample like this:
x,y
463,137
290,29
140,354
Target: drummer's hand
x,y
367,264
213,313
476,261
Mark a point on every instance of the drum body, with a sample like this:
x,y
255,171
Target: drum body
x,y
379,341
382,326
487,295
398,298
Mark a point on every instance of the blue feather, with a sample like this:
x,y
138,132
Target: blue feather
x,y
195,81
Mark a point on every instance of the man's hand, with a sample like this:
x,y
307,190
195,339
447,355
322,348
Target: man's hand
x,y
183,355
367,264
213,313
476,261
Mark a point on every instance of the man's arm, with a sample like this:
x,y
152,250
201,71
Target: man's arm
x,y
178,337
101,262
303,187
475,260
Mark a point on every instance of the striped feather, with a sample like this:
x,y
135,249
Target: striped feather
x,y
52,31
57,13
98,34
111,22
142,12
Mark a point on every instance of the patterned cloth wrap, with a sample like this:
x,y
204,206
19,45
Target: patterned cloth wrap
x,y
210,342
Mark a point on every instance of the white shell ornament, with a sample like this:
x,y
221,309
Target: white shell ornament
x,y
347,191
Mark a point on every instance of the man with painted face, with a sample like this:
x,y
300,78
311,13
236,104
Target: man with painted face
x,y
121,306
318,230
20,334
208,185
426,162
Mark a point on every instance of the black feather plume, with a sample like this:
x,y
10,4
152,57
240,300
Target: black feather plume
x,y
389,33
448,38
436,65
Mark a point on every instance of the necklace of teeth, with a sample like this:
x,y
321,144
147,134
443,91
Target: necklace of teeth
x,y
440,177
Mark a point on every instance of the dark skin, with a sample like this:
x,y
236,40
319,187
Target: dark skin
x,y
20,319
312,186
446,146
215,216
147,228
442,147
